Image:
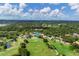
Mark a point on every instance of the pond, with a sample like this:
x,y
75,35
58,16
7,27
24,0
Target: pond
x,y
7,45
37,34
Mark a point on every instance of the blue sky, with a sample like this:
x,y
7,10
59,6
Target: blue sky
x,y
39,11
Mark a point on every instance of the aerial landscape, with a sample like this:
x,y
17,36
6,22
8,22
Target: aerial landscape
x,y
39,29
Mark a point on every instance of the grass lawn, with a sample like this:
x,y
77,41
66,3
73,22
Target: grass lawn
x,y
10,51
13,50
66,50
38,48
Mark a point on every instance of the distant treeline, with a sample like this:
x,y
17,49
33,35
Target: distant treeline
x,y
40,21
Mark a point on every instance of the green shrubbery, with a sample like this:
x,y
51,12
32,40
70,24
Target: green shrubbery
x,y
23,51
26,41
70,39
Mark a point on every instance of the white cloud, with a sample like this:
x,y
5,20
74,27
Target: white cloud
x,y
54,12
6,11
46,13
55,3
30,11
62,8
17,12
22,5
45,10
36,11
74,6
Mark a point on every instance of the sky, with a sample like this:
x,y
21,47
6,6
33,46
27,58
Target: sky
x,y
39,11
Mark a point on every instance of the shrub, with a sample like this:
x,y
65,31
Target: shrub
x,y
70,39
23,51
45,40
26,41
1,43
23,45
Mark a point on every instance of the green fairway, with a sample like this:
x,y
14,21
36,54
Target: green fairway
x,y
13,50
9,52
62,49
38,48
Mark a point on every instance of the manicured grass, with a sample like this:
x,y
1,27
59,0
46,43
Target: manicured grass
x,y
10,51
38,48
13,50
62,49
